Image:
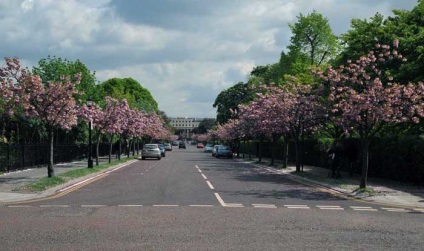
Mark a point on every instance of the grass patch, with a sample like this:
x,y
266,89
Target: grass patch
x,y
46,182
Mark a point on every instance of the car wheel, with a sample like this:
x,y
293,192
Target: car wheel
x,y
159,158
143,158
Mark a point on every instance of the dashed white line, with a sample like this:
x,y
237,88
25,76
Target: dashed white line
x,y
60,206
264,205
165,205
93,205
297,206
22,206
210,185
370,209
204,176
233,205
130,205
330,207
201,205
394,209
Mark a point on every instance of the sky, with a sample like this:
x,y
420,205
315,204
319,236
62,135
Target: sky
x,y
185,52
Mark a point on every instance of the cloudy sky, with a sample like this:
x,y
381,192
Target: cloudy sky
x,y
184,51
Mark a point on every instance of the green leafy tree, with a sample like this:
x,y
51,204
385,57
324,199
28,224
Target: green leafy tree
x,y
313,36
136,95
228,101
205,125
55,68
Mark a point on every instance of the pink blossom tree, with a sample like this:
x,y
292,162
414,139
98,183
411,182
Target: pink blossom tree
x,y
363,98
53,104
11,76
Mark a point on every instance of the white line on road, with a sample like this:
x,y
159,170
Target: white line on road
x,y
201,205
204,176
165,205
394,209
330,207
130,205
419,210
60,206
264,206
19,206
210,185
93,205
370,209
233,205
221,201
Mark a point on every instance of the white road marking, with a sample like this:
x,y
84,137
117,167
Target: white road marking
x,y
298,207
419,210
201,205
93,205
221,201
364,209
200,171
165,205
23,206
330,207
394,209
264,206
61,206
210,185
130,205
204,176
233,205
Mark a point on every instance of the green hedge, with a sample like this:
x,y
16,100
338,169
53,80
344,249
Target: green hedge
x,y
400,159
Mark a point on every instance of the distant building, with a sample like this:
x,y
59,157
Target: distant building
x,y
185,124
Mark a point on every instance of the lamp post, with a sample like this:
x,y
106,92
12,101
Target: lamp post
x,y
90,159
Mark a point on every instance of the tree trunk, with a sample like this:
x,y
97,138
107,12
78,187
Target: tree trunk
x,y
297,145
285,153
50,169
110,147
365,152
260,149
119,147
274,143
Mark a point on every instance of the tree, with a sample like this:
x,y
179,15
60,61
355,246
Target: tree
x,y
312,35
362,99
53,104
229,100
205,125
54,69
136,95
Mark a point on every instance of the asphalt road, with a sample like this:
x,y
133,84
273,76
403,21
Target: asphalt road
x,y
192,201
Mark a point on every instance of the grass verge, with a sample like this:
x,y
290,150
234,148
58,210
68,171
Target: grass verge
x,y
46,182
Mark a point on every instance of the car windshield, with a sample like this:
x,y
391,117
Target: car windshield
x,y
224,148
150,146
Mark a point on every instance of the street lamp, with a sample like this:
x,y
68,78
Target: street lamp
x,y
90,159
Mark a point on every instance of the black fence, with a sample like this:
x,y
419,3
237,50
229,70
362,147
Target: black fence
x,y
18,156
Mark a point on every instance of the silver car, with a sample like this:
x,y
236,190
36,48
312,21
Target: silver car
x,y
151,151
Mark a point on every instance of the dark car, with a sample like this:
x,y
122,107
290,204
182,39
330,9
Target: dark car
x,y
162,150
181,145
224,151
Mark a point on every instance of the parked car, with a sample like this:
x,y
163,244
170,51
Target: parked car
x,y
182,145
168,146
208,148
162,150
151,151
215,149
175,143
224,151
200,145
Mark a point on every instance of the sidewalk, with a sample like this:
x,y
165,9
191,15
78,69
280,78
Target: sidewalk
x,y
11,183
382,191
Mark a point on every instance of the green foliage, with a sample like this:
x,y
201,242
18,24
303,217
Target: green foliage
x,y
229,100
53,69
313,36
205,125
137,96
